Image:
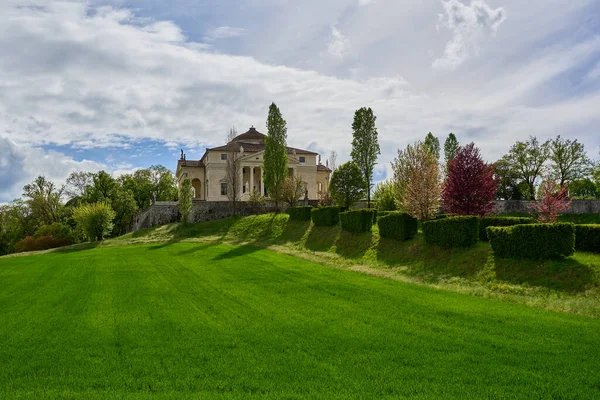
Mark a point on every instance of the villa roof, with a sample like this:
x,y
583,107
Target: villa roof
x,y
253,147
323,168
252,134
189,163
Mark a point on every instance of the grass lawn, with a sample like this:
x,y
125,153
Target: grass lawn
x,y
571,285
197,320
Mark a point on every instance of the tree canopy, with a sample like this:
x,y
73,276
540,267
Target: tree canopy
x,y
365,146
347,185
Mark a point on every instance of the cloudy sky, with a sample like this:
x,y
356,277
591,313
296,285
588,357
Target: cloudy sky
x,y
123,84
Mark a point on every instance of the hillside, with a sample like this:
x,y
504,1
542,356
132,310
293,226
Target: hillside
x,y
198,320
571,285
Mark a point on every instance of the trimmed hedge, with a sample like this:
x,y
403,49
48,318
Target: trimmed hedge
x,y
325,216
374,215
441,216
500,221
452,231
357,221
299,213
533,241
587,238
398,226
383,213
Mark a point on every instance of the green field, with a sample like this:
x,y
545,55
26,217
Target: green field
x,y
197,320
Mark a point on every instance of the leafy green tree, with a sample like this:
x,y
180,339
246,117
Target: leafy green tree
x,y
140,185
583,189
432,144
275,160
526,160
125,208
77,182
365,146
385,196
185,200
102,188
569,161
451,146
163,182
347,185
94,220
44,201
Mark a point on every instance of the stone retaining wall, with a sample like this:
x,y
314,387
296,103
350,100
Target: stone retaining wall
x,y
163,212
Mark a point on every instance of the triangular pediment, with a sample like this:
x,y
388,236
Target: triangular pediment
x,y
259,157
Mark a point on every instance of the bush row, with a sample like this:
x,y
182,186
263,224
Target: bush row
x,y
533,241
325,216
587,238
358,221
397,225
299,213
452,231
31,243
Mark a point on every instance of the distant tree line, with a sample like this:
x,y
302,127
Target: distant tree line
x,y
48,214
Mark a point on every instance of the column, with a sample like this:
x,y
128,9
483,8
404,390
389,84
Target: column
x,y
251,188
241,182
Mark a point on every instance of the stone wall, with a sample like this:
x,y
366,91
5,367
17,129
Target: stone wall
x,y
526,207
166,212
163,212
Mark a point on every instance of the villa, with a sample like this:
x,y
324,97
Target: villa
x,y
208,175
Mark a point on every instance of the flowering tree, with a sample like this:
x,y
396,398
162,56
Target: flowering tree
x,y
470,184
417,181
552,200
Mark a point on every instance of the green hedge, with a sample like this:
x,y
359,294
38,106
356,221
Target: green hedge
x,y
357,221
452,231
397,225
533,241
587,238
374,215
299,213
500,221
325,216
441,216
383,213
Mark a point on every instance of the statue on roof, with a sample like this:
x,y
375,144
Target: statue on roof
x,y
181,158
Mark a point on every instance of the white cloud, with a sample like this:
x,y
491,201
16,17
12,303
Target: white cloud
x,y
337,46
469,25
101,79
224,32
364,2
19,165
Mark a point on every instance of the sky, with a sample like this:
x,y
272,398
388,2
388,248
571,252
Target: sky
x,y
124,84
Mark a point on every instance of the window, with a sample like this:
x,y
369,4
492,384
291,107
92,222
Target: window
x,y
223,189
224,156
302,159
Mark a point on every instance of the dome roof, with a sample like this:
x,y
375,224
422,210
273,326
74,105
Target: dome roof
x,y
252,135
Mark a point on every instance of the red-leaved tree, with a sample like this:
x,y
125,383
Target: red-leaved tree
x,y
470,186
552,200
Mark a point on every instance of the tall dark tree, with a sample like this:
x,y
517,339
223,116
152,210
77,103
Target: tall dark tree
x,y
527,161
450,148
432,143
470,185
365,146
275,160
569,161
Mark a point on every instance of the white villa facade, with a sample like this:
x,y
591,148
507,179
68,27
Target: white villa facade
x,y
208,175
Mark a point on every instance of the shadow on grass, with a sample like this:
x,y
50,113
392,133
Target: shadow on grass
x,y
567,274
238,251
353,246
194,249
294,231
322,238
421,258
75,247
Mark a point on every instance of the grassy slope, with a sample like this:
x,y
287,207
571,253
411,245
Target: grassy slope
x,y
571,285
187,320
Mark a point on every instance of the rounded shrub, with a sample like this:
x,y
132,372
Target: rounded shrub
x,y
357,221
452,231
533,241
299,213
398,226
94,220
325,216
